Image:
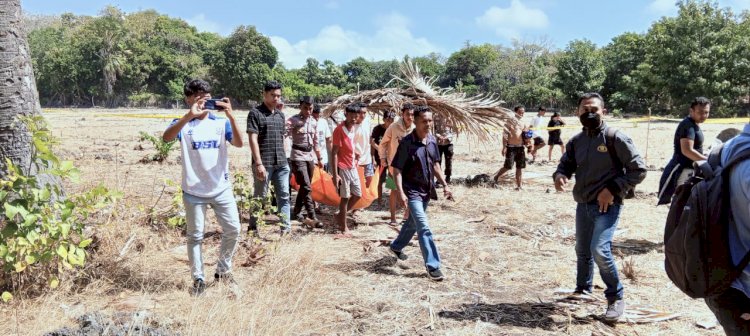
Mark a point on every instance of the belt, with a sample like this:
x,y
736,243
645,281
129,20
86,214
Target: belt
x,y
306,148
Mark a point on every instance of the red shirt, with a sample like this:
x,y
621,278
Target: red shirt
x,y
344,139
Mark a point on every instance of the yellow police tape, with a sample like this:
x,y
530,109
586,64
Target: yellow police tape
x,y
646,119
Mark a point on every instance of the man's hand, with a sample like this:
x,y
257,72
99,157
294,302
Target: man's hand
x,y
560,182
382,163
335,178
226,106
319,164
197,108
505,150
605,199
404,200
447,194
260,172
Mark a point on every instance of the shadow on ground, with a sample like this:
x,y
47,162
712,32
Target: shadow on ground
x,y
546,316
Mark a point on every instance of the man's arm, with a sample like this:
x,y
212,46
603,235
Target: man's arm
x,y
334,166
635,167
566,167
227,109
686,147
173,130
384,145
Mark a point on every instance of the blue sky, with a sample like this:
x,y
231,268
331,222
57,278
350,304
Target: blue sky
x,y
340,30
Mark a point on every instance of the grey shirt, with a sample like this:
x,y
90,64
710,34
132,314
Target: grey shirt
x,y
739,189
304,134
587,157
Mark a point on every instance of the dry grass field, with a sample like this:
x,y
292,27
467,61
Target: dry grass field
x,y
506,254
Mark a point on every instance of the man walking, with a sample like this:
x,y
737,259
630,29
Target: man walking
x,y
514,148
444,135
536,127
377,136
387,149
266,127
324,137
345,176
730,306
205,177
415,166
688,148
602,181
303,130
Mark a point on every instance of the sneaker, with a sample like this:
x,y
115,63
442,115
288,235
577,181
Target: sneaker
x,y
199,286
399,254
225,278
435,275
615,310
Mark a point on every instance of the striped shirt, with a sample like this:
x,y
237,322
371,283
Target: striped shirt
x,y
270,128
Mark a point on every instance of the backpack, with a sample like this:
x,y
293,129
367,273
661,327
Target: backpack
x,y
610,138
696,242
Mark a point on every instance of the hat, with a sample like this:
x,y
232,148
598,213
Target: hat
x,y
389,115
307,99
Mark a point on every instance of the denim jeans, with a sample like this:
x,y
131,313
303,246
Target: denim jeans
x,y
417,222
225,208
279,176
728,309
594,233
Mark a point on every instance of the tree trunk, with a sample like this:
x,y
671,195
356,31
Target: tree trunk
x,y
18,94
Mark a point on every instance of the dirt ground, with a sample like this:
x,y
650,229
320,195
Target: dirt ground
x,y
506,254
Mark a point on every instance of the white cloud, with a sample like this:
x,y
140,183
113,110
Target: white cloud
x,y
392,39
509,22
203,24
662,7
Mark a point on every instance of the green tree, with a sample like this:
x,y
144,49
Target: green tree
x,y
468,66
244,63
622,57
580,69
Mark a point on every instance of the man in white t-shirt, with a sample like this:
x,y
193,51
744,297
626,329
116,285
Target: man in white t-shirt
x,y
324,137
203,140
363,145
537,123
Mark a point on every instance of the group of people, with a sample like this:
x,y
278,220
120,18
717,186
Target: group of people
x,y
520,137
604,161
405,150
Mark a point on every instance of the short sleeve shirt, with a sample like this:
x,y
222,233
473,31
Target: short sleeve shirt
x,y
415,159
271,128
377,134
344,139
324,132
205,159
303,132
687,129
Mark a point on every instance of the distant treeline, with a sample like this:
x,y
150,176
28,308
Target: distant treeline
x,y
143,58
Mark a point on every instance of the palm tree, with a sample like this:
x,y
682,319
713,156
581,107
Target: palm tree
x,y
18,94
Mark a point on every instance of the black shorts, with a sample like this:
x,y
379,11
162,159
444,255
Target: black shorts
x,y
515,155
555,140
538,141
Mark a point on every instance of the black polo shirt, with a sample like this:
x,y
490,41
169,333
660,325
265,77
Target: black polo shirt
x,y
415,160
270,127
687,129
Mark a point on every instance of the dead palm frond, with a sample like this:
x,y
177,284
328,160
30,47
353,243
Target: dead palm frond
x,y
481,115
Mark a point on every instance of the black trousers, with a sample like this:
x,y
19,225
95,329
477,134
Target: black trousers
x,y
303,172
447,151
728,308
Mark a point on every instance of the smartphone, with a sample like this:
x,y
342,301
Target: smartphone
x,y
210,104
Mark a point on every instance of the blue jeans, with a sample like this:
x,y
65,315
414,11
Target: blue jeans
x,y
279,176
594,233
417,222
225,208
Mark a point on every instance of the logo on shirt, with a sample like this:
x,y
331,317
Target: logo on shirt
x,y
602,148
190,132
211,144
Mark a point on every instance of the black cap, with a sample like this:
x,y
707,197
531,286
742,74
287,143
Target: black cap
x,y
307,99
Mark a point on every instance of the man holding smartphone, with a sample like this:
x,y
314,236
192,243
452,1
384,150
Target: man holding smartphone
x,y
205,177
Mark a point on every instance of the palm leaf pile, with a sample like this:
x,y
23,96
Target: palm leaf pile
x,y
481,116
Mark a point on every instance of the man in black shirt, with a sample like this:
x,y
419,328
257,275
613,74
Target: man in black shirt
x,y
688,148
266,127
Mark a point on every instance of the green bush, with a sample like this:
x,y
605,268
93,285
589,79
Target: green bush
x,y
162,148
41,229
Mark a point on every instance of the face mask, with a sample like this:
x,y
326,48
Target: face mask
x,y
590,120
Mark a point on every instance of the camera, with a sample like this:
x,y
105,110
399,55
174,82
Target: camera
x,y
210,104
